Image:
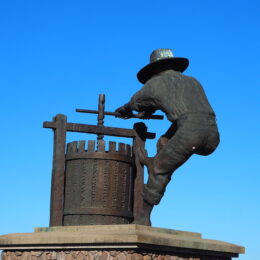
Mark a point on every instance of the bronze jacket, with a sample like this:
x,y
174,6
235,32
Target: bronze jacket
x,y
173,93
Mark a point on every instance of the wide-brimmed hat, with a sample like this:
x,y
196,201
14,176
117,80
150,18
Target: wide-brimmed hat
x,y
160,60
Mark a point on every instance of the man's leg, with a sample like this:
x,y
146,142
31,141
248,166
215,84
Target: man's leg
x,y
175,152
163,140
160,168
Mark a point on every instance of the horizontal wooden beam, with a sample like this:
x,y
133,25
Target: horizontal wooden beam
x,y
94,129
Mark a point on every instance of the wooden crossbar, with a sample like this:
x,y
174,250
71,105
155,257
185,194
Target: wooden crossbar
x,y
95,129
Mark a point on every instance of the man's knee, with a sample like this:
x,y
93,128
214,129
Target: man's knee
x,y
210,145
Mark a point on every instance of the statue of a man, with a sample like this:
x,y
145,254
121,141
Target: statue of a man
x,y
193,129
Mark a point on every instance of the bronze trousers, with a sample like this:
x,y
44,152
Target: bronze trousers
x,y
189,135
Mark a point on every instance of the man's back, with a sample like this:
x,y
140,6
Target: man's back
x,y
177,94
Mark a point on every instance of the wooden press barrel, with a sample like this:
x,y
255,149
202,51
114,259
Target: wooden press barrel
x,y
98,184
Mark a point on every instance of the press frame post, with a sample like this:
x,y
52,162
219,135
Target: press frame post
x,y
139,143
58,170
60,126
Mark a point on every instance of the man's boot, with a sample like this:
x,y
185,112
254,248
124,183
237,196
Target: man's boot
x,y
145,216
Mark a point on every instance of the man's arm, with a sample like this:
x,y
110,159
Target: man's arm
x,y
142,102
125,111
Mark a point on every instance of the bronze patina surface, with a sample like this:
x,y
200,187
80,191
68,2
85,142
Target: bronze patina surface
x,y
91,183
193,127
99,184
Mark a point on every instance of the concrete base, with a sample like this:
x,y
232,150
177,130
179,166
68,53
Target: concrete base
x,y
120,242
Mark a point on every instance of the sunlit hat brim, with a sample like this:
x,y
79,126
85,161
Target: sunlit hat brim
x,y
178,64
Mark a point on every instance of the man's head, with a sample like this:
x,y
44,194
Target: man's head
x,y
161,60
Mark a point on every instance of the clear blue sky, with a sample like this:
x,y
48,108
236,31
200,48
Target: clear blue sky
x,y
59,55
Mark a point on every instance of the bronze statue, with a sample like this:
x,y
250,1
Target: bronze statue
x,y
193,130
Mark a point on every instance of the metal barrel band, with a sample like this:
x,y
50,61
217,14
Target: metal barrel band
x,y
99,211
101,156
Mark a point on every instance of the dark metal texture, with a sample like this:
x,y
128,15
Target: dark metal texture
x,y
112,163
93,129
101,115
89,111
99,184
57,183
99,211
101,155
139,142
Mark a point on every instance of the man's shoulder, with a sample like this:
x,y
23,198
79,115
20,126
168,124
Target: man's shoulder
x,y
176,75
169,77
191,79
182,79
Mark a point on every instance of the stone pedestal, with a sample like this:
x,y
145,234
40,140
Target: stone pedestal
x,y
114,242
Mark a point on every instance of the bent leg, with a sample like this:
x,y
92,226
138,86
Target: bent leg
x,y
163,140
176,152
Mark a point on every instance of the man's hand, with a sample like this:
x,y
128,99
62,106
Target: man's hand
x,y
125,111
146,114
